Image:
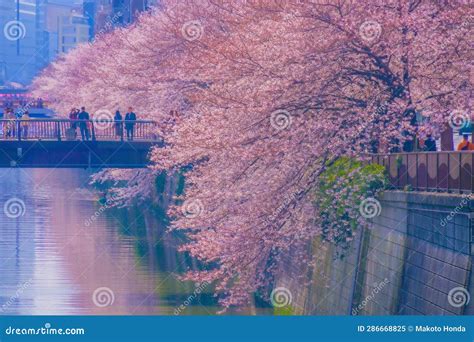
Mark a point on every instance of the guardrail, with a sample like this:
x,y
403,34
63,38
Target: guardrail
x,y
430,171
63,129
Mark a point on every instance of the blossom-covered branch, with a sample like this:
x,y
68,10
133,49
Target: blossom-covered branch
x,y
268,95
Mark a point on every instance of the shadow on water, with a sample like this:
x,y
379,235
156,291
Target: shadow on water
x,y
157,251
61,252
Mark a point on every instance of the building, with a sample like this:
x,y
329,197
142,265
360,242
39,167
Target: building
x,y
104,15
90,12
130,9
21,46
55,11
66,27
35,32
99,13
72,30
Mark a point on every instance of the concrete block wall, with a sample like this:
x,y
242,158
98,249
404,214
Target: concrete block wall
x,y
332,281
431,271
380,272
415,252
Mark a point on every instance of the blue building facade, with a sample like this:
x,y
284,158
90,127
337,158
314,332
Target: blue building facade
x,y
34,32
22,48
29,38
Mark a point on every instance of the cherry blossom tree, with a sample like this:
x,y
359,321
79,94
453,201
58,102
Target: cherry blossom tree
x,y
269,94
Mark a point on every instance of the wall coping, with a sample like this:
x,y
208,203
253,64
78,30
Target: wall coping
x,y
430,198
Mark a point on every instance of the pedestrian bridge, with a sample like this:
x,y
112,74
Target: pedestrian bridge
x,y
57,143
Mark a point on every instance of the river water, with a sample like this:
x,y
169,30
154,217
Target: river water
x,y
63,253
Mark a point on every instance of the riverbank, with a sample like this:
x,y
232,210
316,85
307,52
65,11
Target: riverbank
x,y
414,259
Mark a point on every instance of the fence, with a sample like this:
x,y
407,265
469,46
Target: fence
x,y
430,171
58,129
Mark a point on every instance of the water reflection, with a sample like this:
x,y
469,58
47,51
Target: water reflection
x,y
65,246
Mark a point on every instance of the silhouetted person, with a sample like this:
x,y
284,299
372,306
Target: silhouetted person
x,y
84,119
24,124
130,119
8,125
430,144
118,124
73,115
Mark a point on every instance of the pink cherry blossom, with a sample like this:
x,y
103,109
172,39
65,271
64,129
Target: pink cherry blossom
x,y
268,94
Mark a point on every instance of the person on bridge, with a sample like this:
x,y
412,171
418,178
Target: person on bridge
x,y
8,126
130,119
71,133
84,119
430,144
24,124
118,124
465,144
73,114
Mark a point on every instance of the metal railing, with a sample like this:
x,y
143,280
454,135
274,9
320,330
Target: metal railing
x,y
64,130
430,171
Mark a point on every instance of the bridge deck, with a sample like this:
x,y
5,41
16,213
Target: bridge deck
x,y
70,130
74,154
56,143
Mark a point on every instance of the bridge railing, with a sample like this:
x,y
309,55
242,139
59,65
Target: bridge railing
x,y
63,129
430,171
